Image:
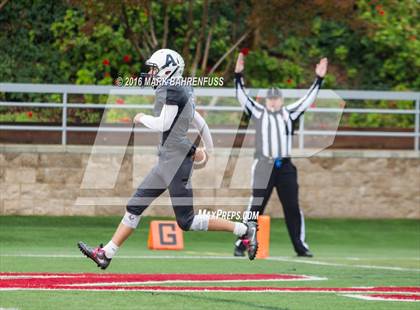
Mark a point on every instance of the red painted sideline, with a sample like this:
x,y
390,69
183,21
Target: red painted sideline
x,y
396,296
94,281
54,279
401,290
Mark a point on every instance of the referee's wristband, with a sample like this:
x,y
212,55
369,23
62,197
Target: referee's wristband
x,y
319,80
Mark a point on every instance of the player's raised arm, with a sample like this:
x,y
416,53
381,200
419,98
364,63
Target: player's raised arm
x,y
248,104
297,108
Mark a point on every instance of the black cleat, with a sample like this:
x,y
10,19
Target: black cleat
x,y
305,254
250,240
95,254
240,248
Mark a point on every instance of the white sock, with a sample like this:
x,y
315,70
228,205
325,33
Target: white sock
x,y
110,249
240,229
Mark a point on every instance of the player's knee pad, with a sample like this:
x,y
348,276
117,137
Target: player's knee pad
x,y
131,220
200,222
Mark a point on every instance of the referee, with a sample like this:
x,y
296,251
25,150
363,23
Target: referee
x,y
272,166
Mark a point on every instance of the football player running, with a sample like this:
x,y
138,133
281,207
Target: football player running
x,y
174,112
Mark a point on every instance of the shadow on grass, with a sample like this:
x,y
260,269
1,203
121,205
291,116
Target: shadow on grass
x,y
224,300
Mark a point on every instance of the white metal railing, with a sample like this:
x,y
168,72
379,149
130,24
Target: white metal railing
x,y
65,90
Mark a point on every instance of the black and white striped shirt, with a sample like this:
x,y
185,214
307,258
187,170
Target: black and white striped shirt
x,y
274,130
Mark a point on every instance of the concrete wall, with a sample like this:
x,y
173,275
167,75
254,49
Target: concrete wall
x,y
55,180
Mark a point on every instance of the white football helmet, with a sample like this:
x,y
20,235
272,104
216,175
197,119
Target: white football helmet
x,y
169,64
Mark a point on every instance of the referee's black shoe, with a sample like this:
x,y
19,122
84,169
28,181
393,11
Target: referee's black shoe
x,y
305,254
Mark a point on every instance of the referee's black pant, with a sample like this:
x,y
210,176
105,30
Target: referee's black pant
x,y
265,176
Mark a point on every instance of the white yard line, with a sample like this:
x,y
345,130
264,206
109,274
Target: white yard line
x,y
315,262
367,297
272,258
219,290
307,278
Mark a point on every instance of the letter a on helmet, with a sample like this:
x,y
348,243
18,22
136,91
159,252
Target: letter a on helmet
x,y
169,61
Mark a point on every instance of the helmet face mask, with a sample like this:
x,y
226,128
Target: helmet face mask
x,y
150,75
152,70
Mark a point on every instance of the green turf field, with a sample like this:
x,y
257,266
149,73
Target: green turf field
x,y
349,253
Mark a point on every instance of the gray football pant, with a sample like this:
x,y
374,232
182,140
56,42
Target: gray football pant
x,y
175,175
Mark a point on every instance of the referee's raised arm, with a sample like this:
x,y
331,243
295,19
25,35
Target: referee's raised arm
x,y
252,107
297,108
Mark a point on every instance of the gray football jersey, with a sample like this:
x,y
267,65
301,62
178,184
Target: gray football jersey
x,y
176,139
